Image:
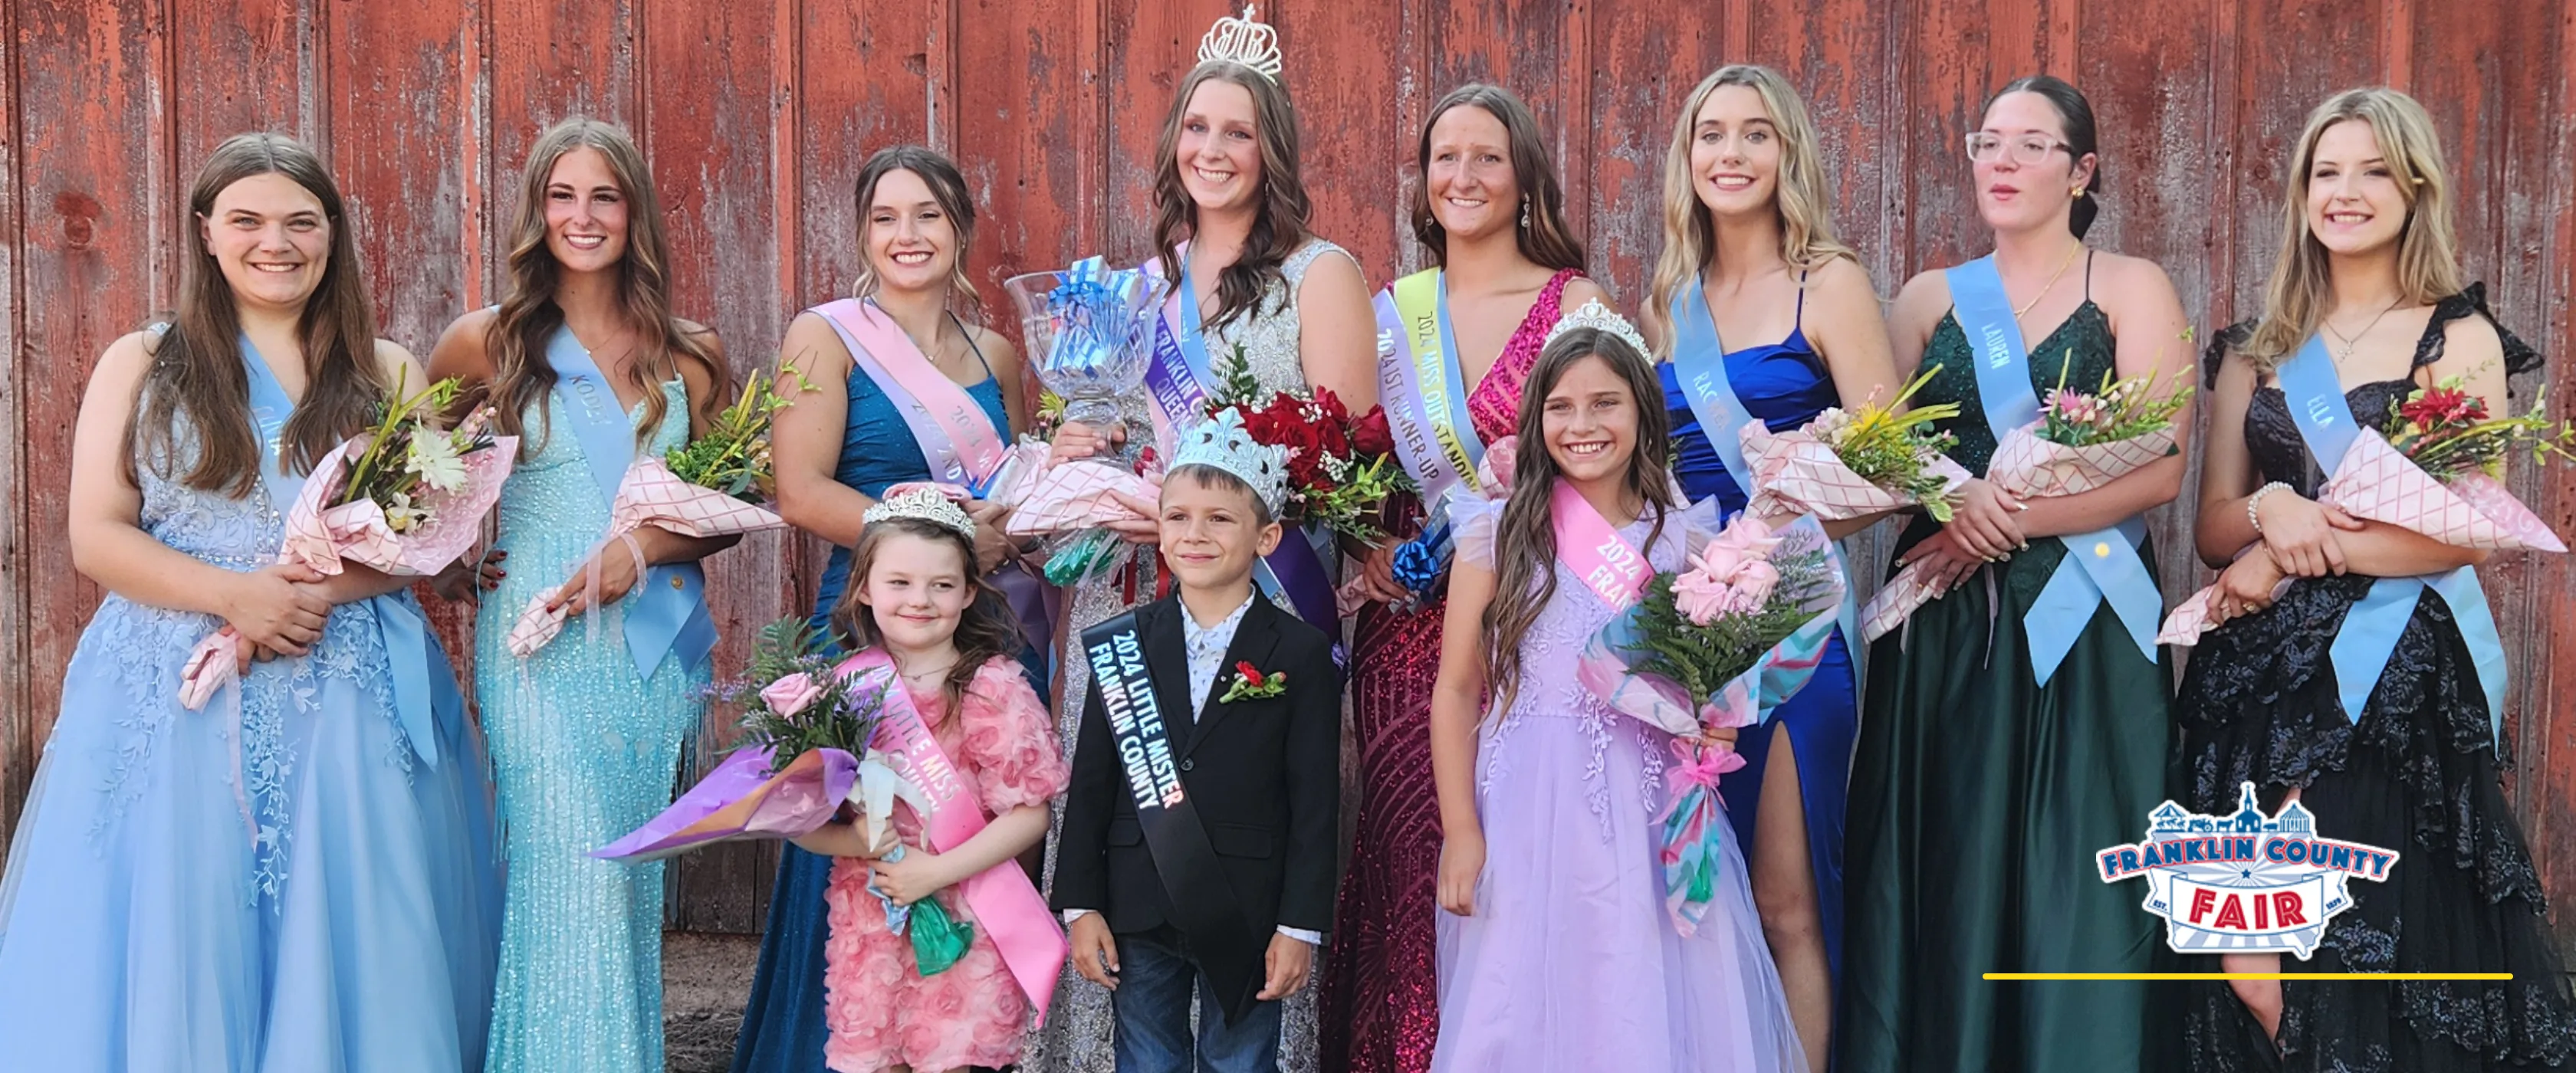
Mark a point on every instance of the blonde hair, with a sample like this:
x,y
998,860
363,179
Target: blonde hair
x,y
1806,228
2428,257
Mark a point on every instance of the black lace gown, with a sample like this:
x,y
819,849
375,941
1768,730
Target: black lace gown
x,y
2417,773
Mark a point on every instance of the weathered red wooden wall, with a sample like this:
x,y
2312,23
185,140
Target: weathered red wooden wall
x,y
756,116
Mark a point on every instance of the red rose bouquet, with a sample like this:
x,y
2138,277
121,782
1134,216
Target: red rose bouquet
x,y
1340,468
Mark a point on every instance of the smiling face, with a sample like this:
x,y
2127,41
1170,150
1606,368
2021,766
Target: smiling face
x,y
2015,196
1211,533
1735,153
916,588
585,212
271,240
2355,202
1474,191
1590,419
1220,147
910,241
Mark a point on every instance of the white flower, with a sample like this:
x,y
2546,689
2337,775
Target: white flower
x,y
402,516
434,460
1830,425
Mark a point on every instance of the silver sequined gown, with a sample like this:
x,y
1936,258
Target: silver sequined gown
x,y
1076,1037
582,753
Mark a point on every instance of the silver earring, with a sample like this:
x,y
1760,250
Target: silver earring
x,y
1524,212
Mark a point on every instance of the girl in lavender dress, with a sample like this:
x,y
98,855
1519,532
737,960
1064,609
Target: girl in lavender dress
x,y
1554,947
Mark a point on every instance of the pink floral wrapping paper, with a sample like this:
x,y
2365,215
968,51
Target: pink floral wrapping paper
x,y
1071,496
650,494
2377,483
2027,467
329,539
1796,473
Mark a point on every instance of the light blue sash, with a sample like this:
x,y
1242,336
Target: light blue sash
x,y
2370,628
667,612
2100,565
1699,360
404,632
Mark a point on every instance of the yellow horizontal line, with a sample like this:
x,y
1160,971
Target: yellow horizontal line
x,y
2249,976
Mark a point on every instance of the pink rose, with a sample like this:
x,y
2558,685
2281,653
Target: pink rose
x,y
1699,596
790,695
1752,585
1495,472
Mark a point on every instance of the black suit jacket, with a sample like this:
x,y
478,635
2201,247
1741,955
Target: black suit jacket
x,y
1264,776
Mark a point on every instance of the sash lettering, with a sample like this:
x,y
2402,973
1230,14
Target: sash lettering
x,y
1424,387
1610,566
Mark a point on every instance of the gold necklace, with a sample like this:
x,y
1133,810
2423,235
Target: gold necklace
x,y
2354,340
2062,266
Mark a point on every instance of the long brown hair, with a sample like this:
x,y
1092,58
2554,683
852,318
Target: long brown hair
x,y
1525,539
1547,240
985,629
197,371
1798,197
2428,255
528,317
948,189
1278,226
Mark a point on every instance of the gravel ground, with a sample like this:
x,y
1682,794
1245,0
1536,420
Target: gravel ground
x,y
705,981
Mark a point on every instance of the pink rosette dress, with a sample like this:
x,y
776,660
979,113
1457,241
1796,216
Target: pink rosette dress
x,y
882,1012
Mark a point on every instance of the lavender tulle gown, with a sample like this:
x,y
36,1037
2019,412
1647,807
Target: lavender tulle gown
x,y
1571,961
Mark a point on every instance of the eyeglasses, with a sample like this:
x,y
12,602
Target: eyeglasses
x,y
2027,150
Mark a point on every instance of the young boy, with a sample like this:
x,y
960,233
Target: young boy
x,y
1197,846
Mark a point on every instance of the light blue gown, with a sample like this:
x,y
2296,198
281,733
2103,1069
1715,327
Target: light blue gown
x,y
143,928
583,751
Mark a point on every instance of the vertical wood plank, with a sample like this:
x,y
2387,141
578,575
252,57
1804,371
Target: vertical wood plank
x,y
2545,209
707,133
1152,46
264,81
98,202
1340,64
1030,135
1633,103
20,741
394,95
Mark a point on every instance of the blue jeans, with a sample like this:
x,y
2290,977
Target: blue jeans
x,y
1152,1003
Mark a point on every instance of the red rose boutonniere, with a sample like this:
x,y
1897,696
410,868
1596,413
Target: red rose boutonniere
x,y
1249,684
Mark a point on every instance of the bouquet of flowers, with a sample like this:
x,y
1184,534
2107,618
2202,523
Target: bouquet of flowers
x,y
2436,474
1852,463
713,486
1088,330
1421,563
1340,468
2080,442
1715,646
405,497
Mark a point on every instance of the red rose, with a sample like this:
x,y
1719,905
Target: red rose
x,y
1371,434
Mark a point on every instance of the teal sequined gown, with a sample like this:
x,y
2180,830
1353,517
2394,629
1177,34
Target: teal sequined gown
x,y
1979,796
583,751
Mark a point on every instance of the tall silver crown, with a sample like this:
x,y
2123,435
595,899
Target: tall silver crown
x,y
1245,41
926,504
1221,442
1595,315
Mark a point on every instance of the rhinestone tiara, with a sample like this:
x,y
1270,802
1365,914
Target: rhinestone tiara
x,y
1246,41
926,504
1595,315
1222,443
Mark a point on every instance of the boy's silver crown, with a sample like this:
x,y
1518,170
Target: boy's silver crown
x,y
1221,442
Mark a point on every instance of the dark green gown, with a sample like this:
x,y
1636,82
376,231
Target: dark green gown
x,y
1978,799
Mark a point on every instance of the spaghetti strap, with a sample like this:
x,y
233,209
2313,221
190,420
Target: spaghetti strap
x,y
2088,274
969,333
1799,323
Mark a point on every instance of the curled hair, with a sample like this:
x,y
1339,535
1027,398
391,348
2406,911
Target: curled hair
x,y
1547,240
1525,551
1279,220
2428,256
528,317
196,372
2076,114
1798,197
984,630
947,188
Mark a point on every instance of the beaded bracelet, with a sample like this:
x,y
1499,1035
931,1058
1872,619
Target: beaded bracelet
x,y
2256,500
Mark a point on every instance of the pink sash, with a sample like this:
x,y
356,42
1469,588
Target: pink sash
x,y
1607,563
954,434
1006,904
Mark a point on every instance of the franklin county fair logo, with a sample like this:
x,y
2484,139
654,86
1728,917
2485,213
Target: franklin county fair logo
x,y
2243,883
